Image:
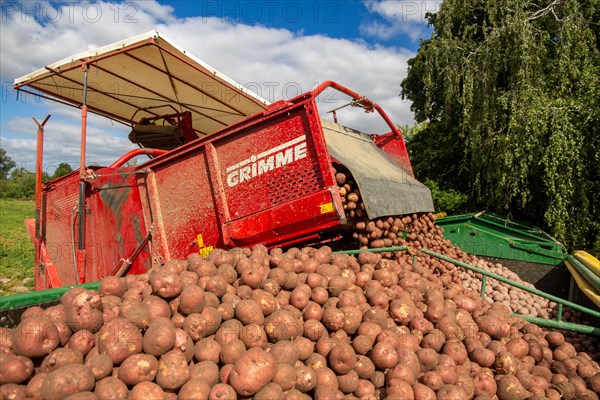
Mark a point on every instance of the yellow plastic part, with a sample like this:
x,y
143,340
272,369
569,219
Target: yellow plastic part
x,y
584,285
591,262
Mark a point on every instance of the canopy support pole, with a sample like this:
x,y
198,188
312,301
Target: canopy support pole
x,y
39,273
80,270
39,159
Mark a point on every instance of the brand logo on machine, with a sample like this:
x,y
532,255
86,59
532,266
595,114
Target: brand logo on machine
x,y
268,160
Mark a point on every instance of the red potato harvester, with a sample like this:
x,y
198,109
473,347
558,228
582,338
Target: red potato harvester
x,y
227,169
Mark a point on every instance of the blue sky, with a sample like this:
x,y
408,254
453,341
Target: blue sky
x,y
264,44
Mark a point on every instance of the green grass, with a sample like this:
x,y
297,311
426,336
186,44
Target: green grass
x,y
16,249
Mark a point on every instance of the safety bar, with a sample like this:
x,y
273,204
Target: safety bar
x,y
119,162
365,103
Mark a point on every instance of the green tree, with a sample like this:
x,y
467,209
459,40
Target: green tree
x,y
6,164
510,91
21,184
61,170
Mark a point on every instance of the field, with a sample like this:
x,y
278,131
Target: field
x,y
16,250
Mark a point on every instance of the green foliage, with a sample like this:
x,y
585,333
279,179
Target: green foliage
x,y
595,251
16,249
510,91
19,183
449,200
61,170
6,164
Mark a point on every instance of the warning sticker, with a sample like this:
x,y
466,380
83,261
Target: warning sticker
x,y
205,251
326,208
202,249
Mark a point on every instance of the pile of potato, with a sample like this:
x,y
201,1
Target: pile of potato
x,y
419,232
301,324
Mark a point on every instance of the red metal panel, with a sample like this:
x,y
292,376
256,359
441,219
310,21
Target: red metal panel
x,y
182,205
264,180
269,164
57,218
395,147
115,225
298,218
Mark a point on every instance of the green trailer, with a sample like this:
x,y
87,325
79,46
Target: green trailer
x,y
526,250
531,253
490,235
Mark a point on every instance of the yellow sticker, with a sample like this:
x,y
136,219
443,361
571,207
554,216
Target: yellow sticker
x,y
326,208
204,252
200,241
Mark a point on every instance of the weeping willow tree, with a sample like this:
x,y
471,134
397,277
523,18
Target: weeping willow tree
x,y
511,88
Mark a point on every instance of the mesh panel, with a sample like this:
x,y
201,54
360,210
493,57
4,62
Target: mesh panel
x,y
292,184
63,207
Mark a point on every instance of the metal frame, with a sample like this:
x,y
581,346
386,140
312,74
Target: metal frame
x,y
86,63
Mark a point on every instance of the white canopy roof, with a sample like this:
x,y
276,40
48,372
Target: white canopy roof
x,y
145,76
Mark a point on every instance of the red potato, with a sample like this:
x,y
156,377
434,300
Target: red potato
x,y
15,369
147,390
232,351
82,341
483,357
138,368
156,307
253,370
282,325
517,347
285,352
451,392
306,378
113,286
61,357
67,380
506,363
383,355
84,311
222,391
200,325
207,349
400,389
342,358
364,367
191,300
136,313
13,391
428,359
509,388
285,376
159,337
207,370
422,392
119,339
56,313
249,312
173,370
166,284
485,385
101,365
456,350
35,337
34,386
194,389
348,383
34,311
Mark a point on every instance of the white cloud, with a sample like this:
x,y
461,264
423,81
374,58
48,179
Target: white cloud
x,y
277,63
62,143
399,17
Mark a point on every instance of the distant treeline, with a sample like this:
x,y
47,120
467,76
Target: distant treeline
x,y
19,183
